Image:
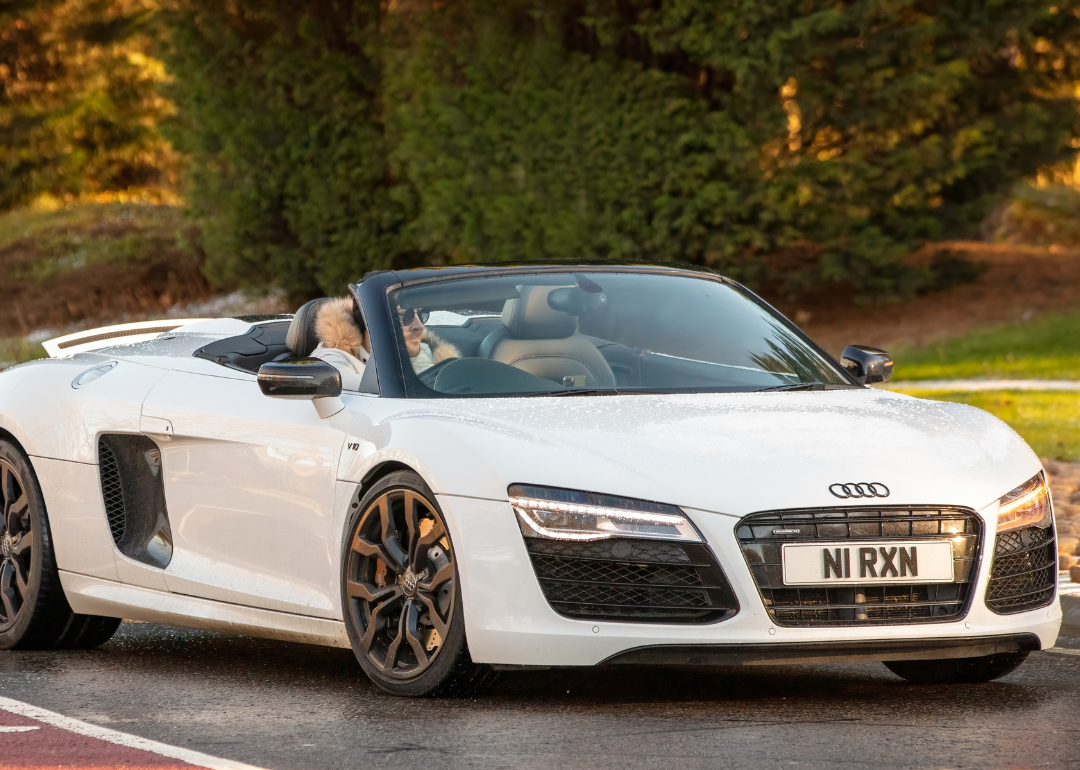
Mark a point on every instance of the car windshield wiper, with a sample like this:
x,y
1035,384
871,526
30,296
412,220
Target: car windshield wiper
x,y
578,392
804,386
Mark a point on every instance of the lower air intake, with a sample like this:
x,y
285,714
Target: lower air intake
x,y
632,580
1024,571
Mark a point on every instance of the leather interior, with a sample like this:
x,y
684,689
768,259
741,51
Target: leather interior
x,y
530,317
544,342
302,339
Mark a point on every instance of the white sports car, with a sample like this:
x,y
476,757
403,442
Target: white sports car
x,y
531,466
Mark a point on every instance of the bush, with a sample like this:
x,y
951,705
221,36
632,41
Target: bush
x,y
791,142
280,119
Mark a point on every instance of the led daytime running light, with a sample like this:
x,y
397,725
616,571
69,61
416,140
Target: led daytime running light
x,y
596,510
679,527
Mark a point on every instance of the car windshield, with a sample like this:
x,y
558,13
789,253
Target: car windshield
x,y
586,333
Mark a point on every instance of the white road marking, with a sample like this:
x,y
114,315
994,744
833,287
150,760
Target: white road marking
x,y
17,729
120,739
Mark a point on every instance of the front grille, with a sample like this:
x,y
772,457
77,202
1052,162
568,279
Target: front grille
x,y
632,580
853,605
1023,572
112,491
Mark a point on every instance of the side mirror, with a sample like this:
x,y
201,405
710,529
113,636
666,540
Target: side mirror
x,y
306,379
867,365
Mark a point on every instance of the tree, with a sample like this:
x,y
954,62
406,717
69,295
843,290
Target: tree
x,y
79,105
793,142
280,117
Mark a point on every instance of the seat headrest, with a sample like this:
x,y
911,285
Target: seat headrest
x,y
302,339
530,317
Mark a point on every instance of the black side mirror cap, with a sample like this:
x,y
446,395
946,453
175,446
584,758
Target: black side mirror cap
x,y
867,365
299,378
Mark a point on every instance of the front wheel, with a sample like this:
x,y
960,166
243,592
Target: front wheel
x,y
958,670
402,600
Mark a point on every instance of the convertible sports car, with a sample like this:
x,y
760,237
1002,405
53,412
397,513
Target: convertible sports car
x,y
520,466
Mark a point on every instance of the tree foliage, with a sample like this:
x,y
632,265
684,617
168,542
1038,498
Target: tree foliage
x,y
79,101
281,122
797,141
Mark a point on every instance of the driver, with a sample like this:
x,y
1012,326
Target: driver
x,y
425,348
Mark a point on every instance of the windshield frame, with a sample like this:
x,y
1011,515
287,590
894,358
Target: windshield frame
x,y
395,375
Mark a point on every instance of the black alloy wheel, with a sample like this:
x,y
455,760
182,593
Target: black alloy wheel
x,y
34,613
400,588
16,545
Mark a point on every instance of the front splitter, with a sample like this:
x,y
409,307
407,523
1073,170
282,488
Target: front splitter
x,y
822,652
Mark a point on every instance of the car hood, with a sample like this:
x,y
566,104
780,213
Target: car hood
x,y
725,453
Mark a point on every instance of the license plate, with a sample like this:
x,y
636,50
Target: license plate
x,y
868,562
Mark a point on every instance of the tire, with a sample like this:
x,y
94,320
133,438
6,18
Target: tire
x,y
34,613
399,572
958,670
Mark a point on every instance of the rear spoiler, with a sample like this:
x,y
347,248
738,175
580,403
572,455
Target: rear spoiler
x,y
107,336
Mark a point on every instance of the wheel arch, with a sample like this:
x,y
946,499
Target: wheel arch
x,y
371,477
12,432
13,439
381,471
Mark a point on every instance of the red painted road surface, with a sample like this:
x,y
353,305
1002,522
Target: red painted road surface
x,y
46,746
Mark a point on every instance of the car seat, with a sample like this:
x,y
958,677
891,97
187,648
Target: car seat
x,y
544,342
302,339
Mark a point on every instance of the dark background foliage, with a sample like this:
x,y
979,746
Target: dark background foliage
x,y
79,101
793,144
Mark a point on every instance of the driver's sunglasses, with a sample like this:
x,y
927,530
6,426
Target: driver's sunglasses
x,y
409,314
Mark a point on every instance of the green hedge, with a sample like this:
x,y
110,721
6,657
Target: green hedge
x,y
784,142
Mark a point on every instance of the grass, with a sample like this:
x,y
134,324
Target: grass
x,y
1048,421
90,261
16,351
1043,348
83,234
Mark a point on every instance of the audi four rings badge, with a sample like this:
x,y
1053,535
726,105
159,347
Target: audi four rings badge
x,y
863,489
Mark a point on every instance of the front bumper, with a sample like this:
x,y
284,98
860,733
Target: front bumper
x,y
509,622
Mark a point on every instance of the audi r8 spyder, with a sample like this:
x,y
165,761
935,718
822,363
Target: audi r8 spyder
x,y
527,466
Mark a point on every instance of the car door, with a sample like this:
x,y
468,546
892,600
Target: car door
x,y
249,485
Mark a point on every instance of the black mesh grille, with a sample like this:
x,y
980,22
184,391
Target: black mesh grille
x,y
762,536
1023,572
632,580
112,491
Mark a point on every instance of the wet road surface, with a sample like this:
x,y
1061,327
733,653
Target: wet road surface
x,y
284,706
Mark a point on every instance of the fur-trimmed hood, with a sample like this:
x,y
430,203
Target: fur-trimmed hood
x,y
336,328
440,349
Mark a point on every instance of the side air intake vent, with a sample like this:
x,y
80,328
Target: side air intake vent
x,y
134,496
112,490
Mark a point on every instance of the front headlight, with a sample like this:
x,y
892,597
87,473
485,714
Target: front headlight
x,y
561,514
1026,506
